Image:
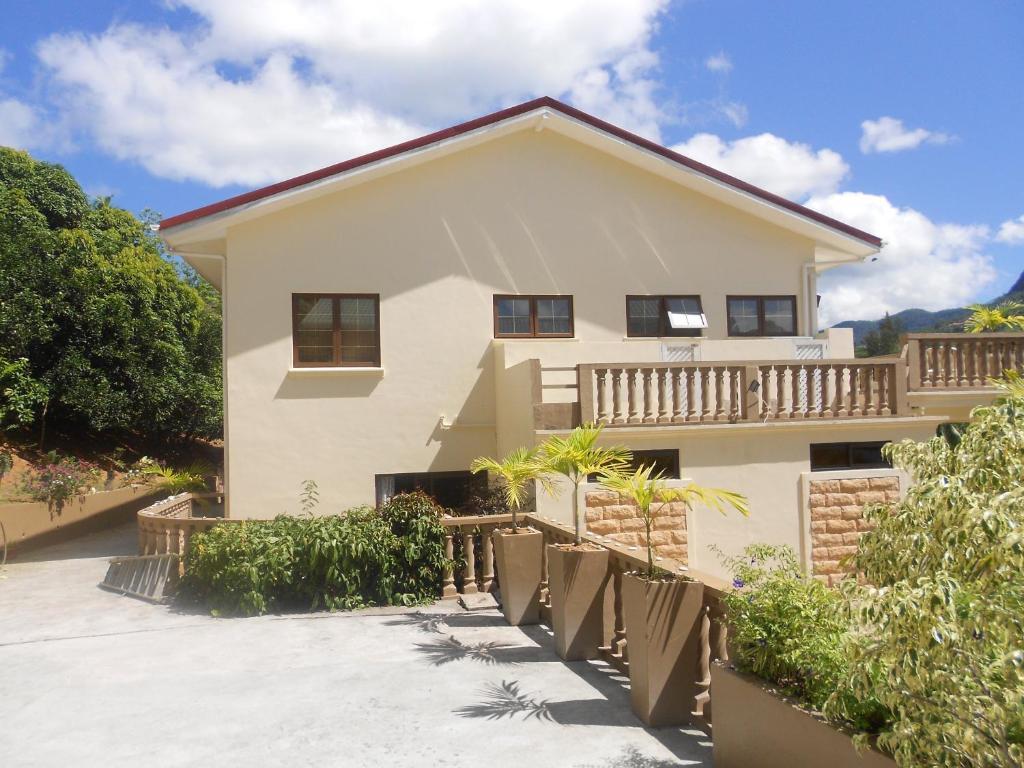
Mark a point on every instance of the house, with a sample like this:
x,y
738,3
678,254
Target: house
x,y
392,317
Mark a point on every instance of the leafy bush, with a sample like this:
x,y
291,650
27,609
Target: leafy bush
x,y
938,633
60,480
789,630
105,334
192,478
391,556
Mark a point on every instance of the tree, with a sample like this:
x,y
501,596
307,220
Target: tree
x,y
1005,316
886,339
939,626
112,334
515,473
577,456
650,493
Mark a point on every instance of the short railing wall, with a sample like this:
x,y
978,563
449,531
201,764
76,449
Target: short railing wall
x,y
759,391
166,526
961,360
474,533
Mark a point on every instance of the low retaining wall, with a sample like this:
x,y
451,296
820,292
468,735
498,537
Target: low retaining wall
x,y
34,523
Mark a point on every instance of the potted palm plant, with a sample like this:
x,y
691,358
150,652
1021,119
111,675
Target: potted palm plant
x,y
661,609
519,551
578,572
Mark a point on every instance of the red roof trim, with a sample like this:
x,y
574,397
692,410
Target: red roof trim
x,y
497,117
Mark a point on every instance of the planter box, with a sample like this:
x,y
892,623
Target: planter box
x,y
577,579
753,726
663,644
519,557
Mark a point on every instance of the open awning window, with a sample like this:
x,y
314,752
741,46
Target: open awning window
x,y
654,316
680,320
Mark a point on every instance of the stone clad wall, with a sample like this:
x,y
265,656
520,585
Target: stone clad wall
x,y
837,520
610,515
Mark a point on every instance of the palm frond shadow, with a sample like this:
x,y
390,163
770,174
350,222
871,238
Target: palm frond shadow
x,y
449,649
631,757
506,700
425,622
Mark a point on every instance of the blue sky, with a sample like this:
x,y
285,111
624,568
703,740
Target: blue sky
x,y
902,118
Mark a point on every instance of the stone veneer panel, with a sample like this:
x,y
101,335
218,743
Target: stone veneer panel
x,y
610,515
837,520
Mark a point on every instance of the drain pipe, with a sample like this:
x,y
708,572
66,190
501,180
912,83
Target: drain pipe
x,y
809,309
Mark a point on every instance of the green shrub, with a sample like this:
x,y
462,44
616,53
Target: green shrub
x,y
789,630
391,556
939,627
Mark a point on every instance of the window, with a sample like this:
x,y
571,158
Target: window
x,y
825,456
664,316
530,317
449,489
665,461
333,330
761,315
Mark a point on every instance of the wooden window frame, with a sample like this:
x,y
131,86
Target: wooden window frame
x,y
848,446
533,299
664,330
760,299
336,361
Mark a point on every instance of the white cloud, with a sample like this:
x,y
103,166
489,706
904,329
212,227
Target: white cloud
x,y
790,169
720,62
263,89
1011,231
922,264
888,134
19,124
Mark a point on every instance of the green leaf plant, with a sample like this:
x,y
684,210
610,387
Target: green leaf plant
x,y
650,493
514,474
1006,316
577,456
938,620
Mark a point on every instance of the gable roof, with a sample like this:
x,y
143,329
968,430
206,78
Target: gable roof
x,y
544,103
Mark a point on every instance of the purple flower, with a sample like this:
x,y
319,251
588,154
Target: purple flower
x,y
738,583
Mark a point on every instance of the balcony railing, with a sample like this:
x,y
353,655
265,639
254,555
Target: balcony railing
x,y
961,360
728,393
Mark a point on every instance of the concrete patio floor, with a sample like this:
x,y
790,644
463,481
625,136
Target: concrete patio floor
x,y
92,678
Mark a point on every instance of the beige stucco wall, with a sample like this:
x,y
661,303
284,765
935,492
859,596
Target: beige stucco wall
x,y
529,213
766,463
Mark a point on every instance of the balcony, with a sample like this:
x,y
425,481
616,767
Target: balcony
x,y
943,374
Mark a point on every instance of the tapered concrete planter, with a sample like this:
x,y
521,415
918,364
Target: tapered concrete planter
x,y
663,643
577,579
753,726
519,557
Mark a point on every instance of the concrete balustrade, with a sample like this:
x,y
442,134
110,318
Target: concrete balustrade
x,y
475,533
961,360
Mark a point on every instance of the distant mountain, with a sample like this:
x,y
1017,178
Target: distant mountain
x,y
923,320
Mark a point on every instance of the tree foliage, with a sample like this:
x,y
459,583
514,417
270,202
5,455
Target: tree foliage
x,y
939,627
113,335
885,340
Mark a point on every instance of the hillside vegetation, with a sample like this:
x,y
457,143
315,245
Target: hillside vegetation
x,y
103,340
922,320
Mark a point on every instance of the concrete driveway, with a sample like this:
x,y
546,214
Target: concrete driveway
x,y
91,678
